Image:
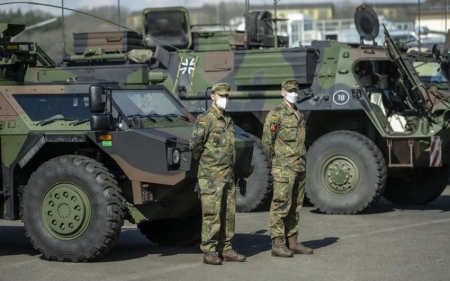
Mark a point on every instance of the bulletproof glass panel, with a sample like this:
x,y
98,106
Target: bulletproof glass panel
x,y
170,27
44,106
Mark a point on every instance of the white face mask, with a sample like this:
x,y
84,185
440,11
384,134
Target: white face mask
x,y
222,103
291,97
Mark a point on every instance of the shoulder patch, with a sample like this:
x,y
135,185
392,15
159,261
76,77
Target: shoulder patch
x,y
273,127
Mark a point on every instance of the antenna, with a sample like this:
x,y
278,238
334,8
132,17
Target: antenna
x,y
275,2
118,9
247,11
275,23
63,28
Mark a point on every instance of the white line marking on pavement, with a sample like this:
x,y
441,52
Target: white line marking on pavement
x,y
396,228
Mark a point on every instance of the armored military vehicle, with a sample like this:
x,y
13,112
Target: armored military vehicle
x,y
81,157
373,126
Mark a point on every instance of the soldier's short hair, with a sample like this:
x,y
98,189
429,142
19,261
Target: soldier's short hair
x,y
221,88
290,84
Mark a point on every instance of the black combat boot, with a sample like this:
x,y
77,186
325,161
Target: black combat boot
x,y
212,258
297,247
279,248
232,255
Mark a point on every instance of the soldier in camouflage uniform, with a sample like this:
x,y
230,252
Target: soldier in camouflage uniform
x,y
284,145
212,143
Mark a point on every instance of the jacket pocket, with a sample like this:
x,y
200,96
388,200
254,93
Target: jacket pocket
x,y
289,133
219,136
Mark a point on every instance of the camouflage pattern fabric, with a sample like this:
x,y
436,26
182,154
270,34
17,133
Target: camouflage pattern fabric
x,y
212,143
288,195
290,84
284,143
283,138
221,88
218,209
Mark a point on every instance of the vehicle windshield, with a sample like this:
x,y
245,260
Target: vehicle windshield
x,y
146,102
430,72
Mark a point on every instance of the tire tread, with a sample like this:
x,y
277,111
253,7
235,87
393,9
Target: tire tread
x,y
115,207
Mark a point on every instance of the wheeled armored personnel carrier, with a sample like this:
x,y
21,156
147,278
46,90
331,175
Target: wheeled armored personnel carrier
x,y
373,126
81,157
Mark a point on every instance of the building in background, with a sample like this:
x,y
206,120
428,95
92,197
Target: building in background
x,y
434,14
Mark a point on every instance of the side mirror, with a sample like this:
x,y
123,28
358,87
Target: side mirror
x,y
97,98
101,122
436,52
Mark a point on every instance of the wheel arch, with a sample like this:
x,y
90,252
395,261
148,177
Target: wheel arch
x,y
321,122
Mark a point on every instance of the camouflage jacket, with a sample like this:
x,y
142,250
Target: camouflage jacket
x,y
212,143
283,139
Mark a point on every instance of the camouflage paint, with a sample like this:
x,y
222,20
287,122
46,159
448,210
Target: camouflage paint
x,y
325,69
144,164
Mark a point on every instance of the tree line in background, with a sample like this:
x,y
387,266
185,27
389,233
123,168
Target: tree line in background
x,y
28,18
49,36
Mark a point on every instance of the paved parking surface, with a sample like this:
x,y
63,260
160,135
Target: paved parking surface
x,y
390,243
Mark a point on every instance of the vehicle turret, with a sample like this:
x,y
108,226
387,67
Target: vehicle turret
x,y
15,58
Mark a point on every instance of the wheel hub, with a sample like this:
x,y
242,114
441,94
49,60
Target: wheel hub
x,y
66,211
340,175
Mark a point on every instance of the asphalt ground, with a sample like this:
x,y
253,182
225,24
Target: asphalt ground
x,y
390,243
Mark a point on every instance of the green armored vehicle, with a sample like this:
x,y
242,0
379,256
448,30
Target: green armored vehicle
x,y
81,157
373,126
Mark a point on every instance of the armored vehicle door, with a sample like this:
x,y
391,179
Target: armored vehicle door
x,y
415,94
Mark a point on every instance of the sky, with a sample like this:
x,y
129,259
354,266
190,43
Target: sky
x,y
137,5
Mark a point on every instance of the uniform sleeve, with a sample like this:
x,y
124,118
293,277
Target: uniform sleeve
x,y
199,137
269,133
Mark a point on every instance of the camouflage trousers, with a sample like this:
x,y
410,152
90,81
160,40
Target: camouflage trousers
x,y
218,210
288,194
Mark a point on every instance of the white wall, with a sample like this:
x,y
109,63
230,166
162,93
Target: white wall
x,y
434,23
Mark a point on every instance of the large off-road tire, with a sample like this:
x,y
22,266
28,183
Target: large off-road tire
x,y
72,209
417,186
346,173
182,232
256,192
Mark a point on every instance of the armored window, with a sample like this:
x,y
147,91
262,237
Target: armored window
x,y
171,27
146,102
430,72
44,106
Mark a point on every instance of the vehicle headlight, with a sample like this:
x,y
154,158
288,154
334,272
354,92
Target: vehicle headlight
x,y
173,156
176,156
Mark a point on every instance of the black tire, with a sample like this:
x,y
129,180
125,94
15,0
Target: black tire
x,y
417,186
256,191
173,232
101,194
359,192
